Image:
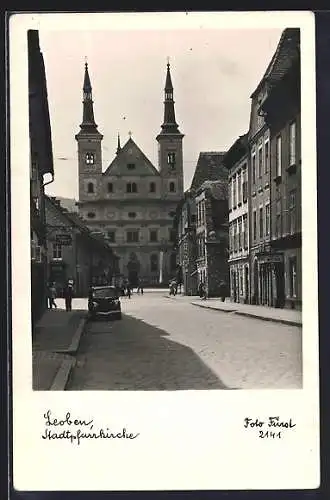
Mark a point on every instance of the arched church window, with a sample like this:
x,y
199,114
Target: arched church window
x,y
153,263
90,158
134,187
90,187
152,187
132,215
131,187
110,187
172,187
171,159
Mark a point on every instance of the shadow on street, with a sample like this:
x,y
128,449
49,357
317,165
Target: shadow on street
x,y
133,355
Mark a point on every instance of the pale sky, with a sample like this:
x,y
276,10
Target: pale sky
x,y
213,72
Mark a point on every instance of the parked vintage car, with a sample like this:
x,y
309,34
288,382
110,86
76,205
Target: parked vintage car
x,y
104,302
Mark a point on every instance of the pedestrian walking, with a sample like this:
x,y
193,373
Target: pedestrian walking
x,y
140,287
223,290
201,289
68,295
52,296
128,290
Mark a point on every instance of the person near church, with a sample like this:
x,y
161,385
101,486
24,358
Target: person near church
x,y
68,295
52,296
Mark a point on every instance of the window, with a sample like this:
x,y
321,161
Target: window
x,y
132,215
131,187
240,233
235,236
267,219
132,236
292,211
89,158
153,263
171,159
254,168
278,156
172,214
230,194
152,187
234,192
91,215
172,187
239,189
266,156
57,251
254,224
293,276
292,139
261,223
111,236
245,232
90,187
245,186
278,228
153,235
110,187
260,162
131,166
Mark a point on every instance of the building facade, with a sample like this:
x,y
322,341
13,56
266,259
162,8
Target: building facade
x,y
185,228
41,167
75,253
212,236
259,201
132,203
282,108
236,161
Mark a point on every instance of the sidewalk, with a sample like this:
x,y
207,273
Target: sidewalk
x,y
285,316
56,339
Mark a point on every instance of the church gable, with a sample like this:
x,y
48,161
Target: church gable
x,y
131,161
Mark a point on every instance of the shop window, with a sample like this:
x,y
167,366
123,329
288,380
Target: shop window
x,y
57,251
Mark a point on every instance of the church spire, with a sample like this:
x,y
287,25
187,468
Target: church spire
x,y
88,124
118,145
169,126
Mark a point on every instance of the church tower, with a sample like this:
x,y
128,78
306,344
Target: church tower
x,y
89,148
170,154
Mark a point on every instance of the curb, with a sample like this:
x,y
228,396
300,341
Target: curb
x,y
73,347
62,376
67,365
249,315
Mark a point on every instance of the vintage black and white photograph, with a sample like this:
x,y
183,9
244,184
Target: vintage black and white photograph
x,y
163,172
166,210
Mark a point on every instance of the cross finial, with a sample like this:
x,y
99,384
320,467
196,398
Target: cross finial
x,y
168,61
130,133
86,62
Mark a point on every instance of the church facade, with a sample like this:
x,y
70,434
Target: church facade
x,y
131,202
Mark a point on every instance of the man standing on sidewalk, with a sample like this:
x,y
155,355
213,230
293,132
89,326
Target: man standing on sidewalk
x,y
68,294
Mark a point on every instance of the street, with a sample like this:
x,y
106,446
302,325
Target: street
x,y
170,344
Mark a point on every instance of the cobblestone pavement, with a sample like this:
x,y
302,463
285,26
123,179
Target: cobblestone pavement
x,y
167,344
